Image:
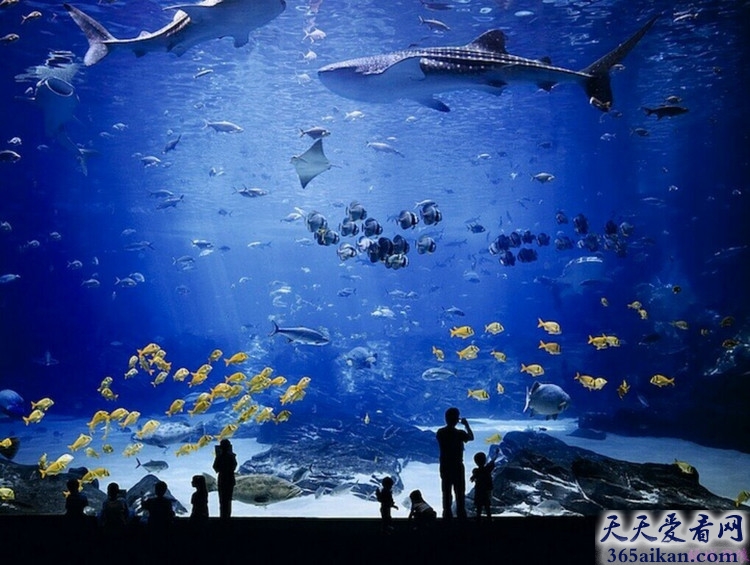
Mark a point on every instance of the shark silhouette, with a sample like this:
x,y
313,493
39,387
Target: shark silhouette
x,y
192,24
483,64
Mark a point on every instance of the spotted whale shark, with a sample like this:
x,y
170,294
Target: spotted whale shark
x,y
192,24
484,64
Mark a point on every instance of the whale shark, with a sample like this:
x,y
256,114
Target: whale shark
x,y
192,24
484,64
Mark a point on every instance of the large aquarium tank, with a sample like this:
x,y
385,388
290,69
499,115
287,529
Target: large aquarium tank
x,y
312,226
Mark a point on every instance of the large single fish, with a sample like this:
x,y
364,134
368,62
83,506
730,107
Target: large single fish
x,y
483,64
546,399
192,24
170,433
301,334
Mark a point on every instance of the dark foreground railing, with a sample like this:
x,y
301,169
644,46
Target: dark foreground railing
x,y
277,541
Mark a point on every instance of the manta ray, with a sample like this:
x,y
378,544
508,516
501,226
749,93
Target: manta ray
x,y
192,24
311,163
483,64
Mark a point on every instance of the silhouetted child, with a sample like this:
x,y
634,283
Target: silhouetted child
x,y
385,497
422,513
199,500
114,515
160,511
76,501
481,476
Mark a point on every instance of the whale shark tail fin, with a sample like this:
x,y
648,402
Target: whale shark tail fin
x,y
598,87
96,34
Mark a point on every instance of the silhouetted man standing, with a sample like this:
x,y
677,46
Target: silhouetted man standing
x,y
452,474
224,464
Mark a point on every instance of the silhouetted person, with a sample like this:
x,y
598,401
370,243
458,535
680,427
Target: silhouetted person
x,y
224,464
114,520
481,476
385,497
75,502
199,502
452,477
159,508
421,513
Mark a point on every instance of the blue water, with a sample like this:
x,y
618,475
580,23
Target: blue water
x,y
683,188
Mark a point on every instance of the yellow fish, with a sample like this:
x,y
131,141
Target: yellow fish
x,y
150,349
100,416
204,440
43,404
109,395
366,419
266,372
162,364
34,418
468,353
236,378
198,379
200,407
215,355
131,373
132,362
180,374
43,461
106,448
227,431
623,389
264,415
242,402
130,419
97,473
705,332
612,340
91,452
248,413
463,332
82,441
742,497
499,356
552,328
220,390
728,322
479,394
237,358
661,380
635,305
604,301
204,369
106,383
175,407
6,493
500,388
680,324
599,383
586,380
6,443
494,328
57,466
303,383
186,449
284,415
117,414
438,353
132,449
598,342
643,314
147,429
685,467
729,343
534,369
494,438
145,364
258,383
278,381
552,348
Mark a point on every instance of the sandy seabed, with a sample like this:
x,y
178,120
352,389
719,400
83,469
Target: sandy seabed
x,y
722,471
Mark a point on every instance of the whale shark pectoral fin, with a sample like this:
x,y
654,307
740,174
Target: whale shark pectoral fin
x,y
434,103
